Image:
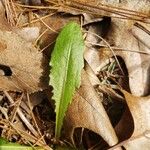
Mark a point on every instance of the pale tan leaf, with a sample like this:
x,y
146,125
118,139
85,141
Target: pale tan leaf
x,y
27,66
30,34
140,110
141,35
91,53
87,111
126,36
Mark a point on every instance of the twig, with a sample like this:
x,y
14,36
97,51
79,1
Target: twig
x,y
4,112
40,36
21,115
118,48
31,138
37,7
36,125
36,20
108,47
45,24
97,9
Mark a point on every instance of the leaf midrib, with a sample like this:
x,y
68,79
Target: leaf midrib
x,y
65,79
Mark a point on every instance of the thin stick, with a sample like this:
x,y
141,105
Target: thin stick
x,y
21,115
4,112
36,20
15,111
107,8
45,24
36,125
47,46
118,49
108,47
29,137
37,7
40,36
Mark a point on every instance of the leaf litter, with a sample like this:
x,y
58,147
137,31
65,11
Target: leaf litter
x,y
26,105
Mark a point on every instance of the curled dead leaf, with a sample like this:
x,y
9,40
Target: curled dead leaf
x,y
86,104
140,110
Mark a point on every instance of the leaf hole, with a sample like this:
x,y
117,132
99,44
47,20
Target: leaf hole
x,y
5,70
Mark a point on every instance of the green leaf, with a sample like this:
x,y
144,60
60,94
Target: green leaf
x,y
5,145
67,63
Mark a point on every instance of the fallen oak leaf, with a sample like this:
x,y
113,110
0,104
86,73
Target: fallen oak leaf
x,y
86,111
122,35
137,64
140,111
24,67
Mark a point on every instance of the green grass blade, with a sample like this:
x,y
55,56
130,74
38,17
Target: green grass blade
x,y
67,63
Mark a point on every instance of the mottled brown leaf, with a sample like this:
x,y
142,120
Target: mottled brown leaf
x,y
23,67
132,41
140,110
87,111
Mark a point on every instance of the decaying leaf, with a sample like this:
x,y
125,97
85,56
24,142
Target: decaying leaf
x,y
87,111
23,67
125,36
140,110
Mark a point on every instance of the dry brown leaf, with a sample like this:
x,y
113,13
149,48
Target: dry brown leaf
x,y
126,36
87,111
91,53
140,110
24,67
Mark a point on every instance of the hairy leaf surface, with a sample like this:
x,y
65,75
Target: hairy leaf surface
x,y
67,63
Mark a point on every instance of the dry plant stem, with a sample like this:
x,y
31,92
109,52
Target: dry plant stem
x,y
30,16
105,8
3,111
81,136
128,14
28,137
38,7
109,48
142,35
45,24
128,140
11,15
110,91
141,27
31,138
40,36
35,123
18,19
117,48
94,9
13,9
12,118
46,46
21,115
36,20
40,139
